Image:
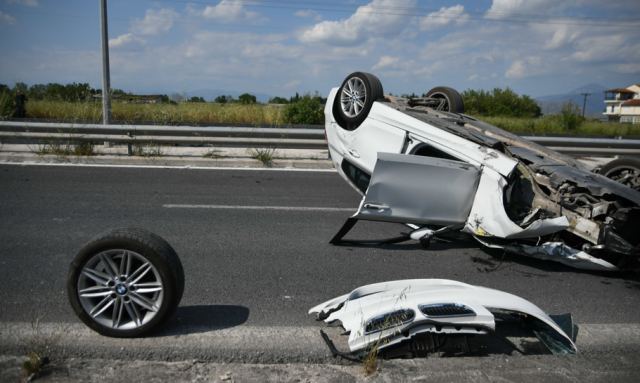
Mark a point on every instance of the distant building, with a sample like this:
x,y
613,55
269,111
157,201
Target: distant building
x,y
623,104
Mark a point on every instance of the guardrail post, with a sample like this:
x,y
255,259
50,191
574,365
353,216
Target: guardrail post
x,y
129,148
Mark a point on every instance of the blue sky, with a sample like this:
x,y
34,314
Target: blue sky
x,y
279,47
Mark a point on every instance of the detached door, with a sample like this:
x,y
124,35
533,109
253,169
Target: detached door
x,y
420,190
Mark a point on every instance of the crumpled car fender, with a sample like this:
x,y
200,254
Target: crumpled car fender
x,y
489,218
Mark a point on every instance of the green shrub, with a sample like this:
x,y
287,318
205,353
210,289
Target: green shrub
x,y
6,105
499,102
570,116
307,110
247,99
278,100
554,125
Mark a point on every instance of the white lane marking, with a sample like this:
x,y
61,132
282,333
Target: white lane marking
x,y
248,207
167,167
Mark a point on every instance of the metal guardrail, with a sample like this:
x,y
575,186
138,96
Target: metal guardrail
x,y
251,137
255,137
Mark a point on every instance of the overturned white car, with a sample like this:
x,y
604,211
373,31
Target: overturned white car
x,y
403,317
424,163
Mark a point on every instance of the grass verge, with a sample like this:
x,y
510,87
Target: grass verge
x,y
274,115
555,125
147,150
264,155
66,149
159,114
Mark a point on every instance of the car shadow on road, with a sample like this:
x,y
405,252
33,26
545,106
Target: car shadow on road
x,y
204,318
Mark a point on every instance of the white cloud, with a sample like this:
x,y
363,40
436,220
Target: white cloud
x,y
516,70
444,16
123,40
293,84
155,22
386,62
373,20
28,3
562,35
478,54
629,68
607,48
501,9
228,10
308,13
6,18
525,67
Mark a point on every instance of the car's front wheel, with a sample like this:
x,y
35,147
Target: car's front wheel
x,y
125,282
355,98
625,170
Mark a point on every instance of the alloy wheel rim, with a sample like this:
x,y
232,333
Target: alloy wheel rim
x,y
353,97
120,289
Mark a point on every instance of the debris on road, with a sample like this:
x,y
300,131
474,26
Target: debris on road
x,y
420,316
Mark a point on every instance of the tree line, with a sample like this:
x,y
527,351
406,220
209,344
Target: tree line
x,y
303,108
500,102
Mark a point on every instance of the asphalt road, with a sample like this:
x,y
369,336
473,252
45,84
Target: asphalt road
x,y
251,266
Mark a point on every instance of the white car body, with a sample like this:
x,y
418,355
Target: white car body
x,y
383,144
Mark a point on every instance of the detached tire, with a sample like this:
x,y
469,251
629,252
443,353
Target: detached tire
x,y
452,99
125,283
355,98
625,170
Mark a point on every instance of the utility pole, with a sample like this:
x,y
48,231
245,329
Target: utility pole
x,y
584,102
106,83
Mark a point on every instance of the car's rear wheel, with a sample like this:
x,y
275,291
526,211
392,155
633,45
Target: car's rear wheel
x,y
355,98
451,100
625,170
125,282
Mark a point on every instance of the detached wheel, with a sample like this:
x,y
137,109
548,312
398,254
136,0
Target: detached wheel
x,y
625,170
451,99
355,98
125,283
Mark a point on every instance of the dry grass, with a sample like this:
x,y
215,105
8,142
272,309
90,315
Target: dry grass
x,y
274,115
38,348
554,125
264,155
160,114
147,150
66,149
370,362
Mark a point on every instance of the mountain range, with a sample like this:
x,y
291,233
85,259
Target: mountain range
x,y
552,104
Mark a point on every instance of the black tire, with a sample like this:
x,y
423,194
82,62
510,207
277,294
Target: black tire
x,y
134,247
625,170
453,99
373,92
